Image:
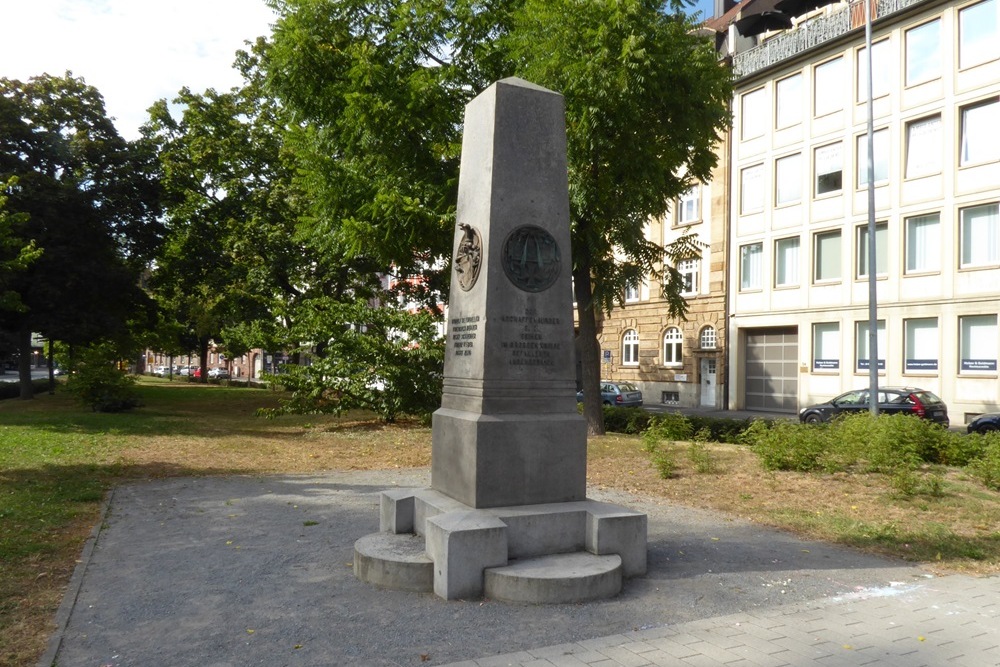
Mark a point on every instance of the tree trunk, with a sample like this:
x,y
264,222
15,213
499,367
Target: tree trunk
x,y
203,360
590,351
24,363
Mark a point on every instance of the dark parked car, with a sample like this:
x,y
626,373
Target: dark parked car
x,y
621,394
985,423
891,400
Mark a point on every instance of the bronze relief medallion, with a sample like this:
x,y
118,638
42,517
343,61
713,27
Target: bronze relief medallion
x,y
531,258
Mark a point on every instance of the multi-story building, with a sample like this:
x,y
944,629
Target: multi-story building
x,y
798,316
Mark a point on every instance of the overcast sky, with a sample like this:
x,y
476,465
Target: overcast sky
x,y
137,51
133,51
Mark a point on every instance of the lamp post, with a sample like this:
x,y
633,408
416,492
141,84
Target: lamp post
x,y
872,255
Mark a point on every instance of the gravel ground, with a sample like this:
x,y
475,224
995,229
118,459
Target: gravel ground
x,y
221,571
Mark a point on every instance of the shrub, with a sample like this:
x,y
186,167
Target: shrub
x,y
789,446
13,389
701,457
664,462
986,468
721,429
670,426
631,421
97,382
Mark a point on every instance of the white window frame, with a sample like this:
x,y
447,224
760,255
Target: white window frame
x,y
632,292
880,156
922,243
708,338
862,354
828,87
881,250
881,70
786,261
751,266
752,189
788,101
922,345
753,114
689,269
978,140
978,34
830,241
923,53
689,206
673,347
977,344
826,346
923,147
630,348
829,169
979,236
788,179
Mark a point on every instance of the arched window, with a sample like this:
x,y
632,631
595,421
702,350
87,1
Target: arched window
x,y
673,342
707,338
630,348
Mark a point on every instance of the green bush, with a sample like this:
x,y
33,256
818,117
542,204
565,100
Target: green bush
x,y
13,389
721,429
786,445
625,420
986,468
98,383
670,426
701,457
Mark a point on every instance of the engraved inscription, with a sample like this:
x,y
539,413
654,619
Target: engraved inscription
x,y
533,346
530,258
464,331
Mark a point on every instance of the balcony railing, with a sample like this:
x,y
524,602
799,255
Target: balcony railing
x,y
812,34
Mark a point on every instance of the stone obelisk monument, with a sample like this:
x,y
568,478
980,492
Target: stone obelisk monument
x,y
507,514
508,431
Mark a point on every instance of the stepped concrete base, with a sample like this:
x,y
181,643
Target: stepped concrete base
x,y
557,579
394,561
463,543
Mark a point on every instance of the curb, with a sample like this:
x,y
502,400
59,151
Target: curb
x,y
48,658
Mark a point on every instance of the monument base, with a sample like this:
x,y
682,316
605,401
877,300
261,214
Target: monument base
x,y
553,552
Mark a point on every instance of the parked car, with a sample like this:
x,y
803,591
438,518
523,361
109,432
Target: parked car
x,y
185,371
161,371
218,373
985,423
621,394
196,372
891,400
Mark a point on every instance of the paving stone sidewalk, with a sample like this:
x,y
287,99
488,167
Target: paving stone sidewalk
x,y
947,621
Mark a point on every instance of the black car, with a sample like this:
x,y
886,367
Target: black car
x,y
985,423
891,400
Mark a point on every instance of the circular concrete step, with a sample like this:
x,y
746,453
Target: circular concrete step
x,y
395,561
560,578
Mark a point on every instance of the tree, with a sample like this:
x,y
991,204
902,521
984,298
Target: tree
x,y
377,91
87,201
16,254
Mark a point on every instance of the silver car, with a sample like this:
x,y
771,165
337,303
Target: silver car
x,y
620,394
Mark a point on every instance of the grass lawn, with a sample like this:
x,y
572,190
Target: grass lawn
x,y
57,460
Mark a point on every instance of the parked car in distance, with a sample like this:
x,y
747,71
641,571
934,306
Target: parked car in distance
x,y
218,373
621,394
891,400
185,371
161,371
985,423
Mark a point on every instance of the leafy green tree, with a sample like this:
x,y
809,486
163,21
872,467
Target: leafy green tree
x,y
377,91
15,253
87,200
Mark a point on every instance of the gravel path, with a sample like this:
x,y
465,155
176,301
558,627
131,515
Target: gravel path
x,y
212,572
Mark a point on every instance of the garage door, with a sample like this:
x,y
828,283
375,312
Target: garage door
x,y
772,370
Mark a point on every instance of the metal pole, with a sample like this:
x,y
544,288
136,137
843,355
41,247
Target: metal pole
x,y
872,255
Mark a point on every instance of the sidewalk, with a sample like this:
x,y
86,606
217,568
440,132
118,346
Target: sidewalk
x,y
235,571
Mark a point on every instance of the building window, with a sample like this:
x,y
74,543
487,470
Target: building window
x,y
920,336
829,91
923,243
923,53
980,238
689,206
826,346
786,262
754,115
707,338
978,344
881,70
673,343
923,147
881,250
829,169
670,397
751,266
788,179
977,34
631,292
788,101
862,342
979,141
880,157
688,269
751,190
630,348
827,262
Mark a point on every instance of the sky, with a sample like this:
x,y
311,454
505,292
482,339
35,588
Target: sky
x,y
137,51
133,51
